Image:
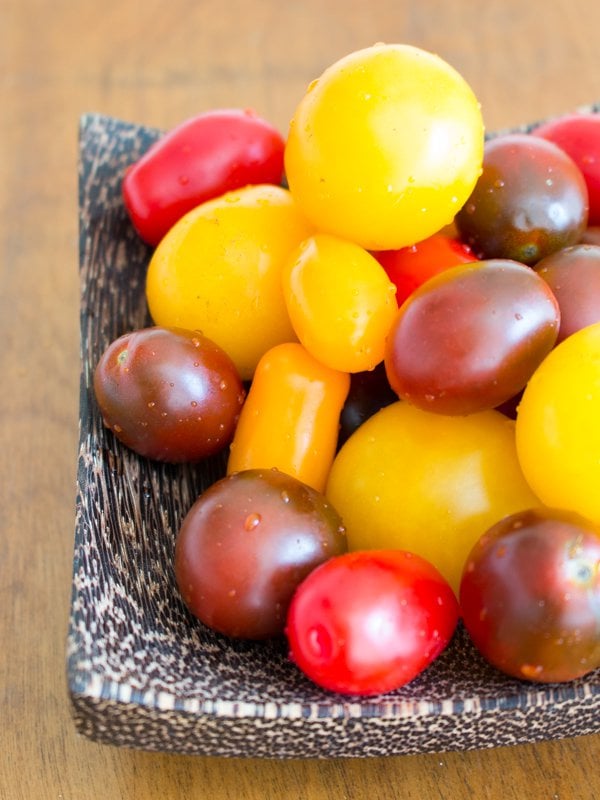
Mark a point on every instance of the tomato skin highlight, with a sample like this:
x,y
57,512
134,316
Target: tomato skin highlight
x,y
169,394
530,595
290,418
202,158
246,544
365,623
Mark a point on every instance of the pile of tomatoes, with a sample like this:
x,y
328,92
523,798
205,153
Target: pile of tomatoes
x,y
393,325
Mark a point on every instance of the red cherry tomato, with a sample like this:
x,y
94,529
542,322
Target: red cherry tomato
x,y
409,267
202,158
579,136
370,621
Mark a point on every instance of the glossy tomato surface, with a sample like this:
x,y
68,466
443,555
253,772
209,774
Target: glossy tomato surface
x,y
470,338
218,270
579,136
409,267
203,157
385,146
557,430
573,275
530,200
169,394
369,622
246,544
428,483
530,595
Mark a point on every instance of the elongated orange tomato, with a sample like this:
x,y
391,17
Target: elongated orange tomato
x,y
291,416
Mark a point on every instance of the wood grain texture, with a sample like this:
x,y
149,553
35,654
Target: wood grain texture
x,y
156,63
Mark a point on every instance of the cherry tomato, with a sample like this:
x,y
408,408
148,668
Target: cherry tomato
x,y
573,275
530,201
340,301
557,430
246,544
470,338
169,394
410,267
200,159
530,595
367,623
579,136
290,419
218,270
385,146
427,483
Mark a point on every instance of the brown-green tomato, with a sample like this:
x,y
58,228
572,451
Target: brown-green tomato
x,y
427,483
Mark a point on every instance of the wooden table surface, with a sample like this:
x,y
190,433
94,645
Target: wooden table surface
x,y
157,63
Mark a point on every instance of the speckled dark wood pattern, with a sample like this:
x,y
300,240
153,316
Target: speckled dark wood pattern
x,y
142,672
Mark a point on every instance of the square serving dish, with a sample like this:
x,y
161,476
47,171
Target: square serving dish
x,y
142,673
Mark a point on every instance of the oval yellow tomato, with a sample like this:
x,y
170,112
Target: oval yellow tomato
x,y
340,301
218,270
558,426
427,483
385,147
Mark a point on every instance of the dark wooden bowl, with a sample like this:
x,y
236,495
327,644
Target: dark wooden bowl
x,y
142,672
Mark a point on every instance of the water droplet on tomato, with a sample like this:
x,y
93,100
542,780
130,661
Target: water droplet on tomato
x,y
252,521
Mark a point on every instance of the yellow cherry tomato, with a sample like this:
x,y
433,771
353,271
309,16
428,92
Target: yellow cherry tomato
x,y
340,301
218,270
427,483
558,426
385,147
291,416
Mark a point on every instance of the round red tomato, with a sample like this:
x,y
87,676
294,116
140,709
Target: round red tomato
x,y
530,595
579,136
370,621
409,267
202,158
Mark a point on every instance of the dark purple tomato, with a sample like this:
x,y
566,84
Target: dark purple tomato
x,y
573,274
530,200
370,621
169,394
530,595
246,544
369,391
470,338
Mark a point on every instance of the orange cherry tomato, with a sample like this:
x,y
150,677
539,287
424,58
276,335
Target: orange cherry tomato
x,y
291,416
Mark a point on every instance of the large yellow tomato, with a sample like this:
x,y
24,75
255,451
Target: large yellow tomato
x,y
385,147
558,426
427,483
218,270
